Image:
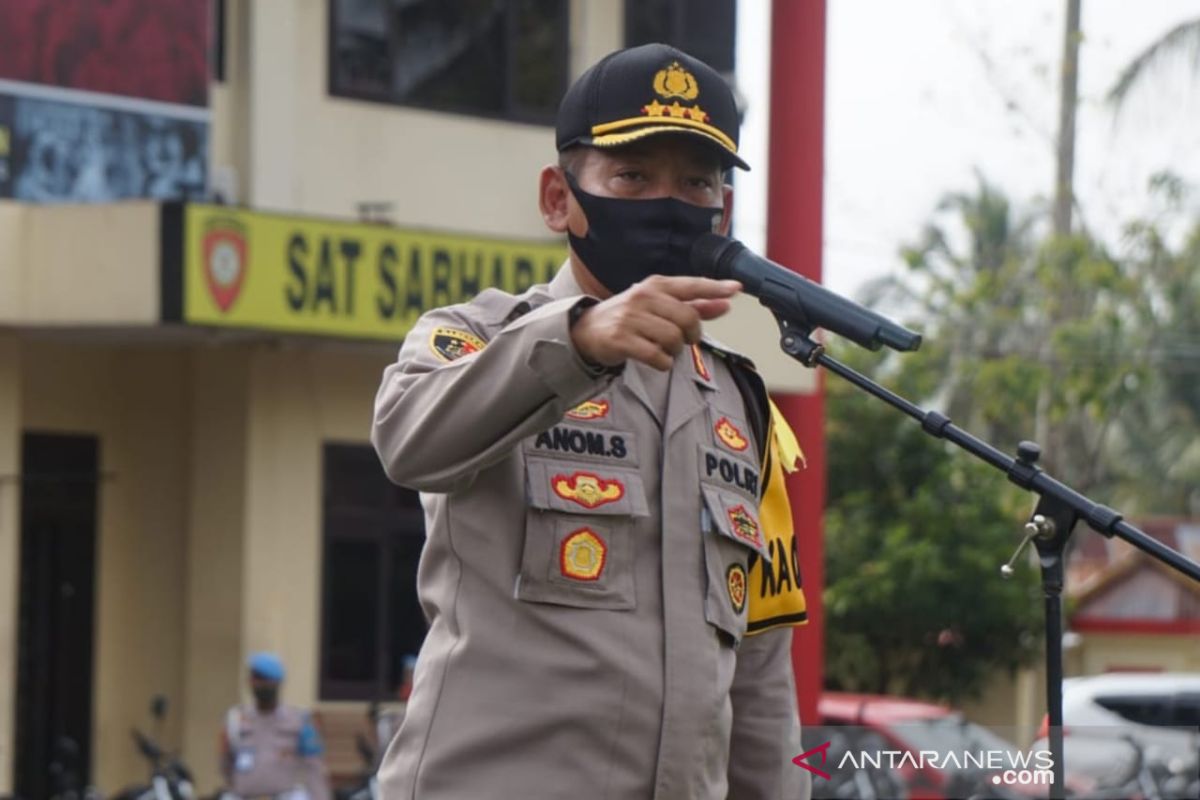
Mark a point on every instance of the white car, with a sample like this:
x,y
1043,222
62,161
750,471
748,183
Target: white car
x,y
1156,714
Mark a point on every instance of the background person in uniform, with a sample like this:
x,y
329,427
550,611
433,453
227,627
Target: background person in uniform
x,y
269,749
603,489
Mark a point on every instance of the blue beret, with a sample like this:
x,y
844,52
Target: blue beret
x,y
266,665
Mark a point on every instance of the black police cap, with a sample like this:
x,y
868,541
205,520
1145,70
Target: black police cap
x,y
645,91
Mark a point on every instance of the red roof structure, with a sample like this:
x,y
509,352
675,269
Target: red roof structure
x,y
1114,587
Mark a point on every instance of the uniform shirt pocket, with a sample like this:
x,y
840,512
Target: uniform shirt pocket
x,y
578,548
580,488
731,534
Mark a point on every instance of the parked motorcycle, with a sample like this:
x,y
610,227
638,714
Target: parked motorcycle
x,y
170,779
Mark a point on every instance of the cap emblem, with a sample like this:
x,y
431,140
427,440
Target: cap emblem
x,y
675,81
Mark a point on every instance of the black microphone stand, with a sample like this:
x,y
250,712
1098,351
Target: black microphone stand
x,y
1059,507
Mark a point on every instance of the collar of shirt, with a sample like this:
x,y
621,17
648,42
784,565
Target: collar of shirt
x,y
564,283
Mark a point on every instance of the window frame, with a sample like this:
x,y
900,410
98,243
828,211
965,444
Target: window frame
x,y
520,115
357,523
676,32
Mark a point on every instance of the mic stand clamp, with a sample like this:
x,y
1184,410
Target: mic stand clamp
x,y
795,341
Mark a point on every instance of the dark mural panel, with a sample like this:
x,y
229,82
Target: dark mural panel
x,y
6,105
150,49
141,131
68,152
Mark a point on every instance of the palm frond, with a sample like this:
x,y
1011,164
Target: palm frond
x,y
1181,39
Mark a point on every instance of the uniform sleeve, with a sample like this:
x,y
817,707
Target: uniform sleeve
x,y
225,757
766,723
455,402
311,750
225,748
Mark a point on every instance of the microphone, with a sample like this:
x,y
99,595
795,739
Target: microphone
x,y
795,298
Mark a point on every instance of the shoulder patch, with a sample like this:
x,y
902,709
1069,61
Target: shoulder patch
x,y
450,344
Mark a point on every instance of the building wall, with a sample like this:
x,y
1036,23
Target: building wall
x,y
78,265
1107,652
308,151
209,520
12,215
299,399
134,398
261,414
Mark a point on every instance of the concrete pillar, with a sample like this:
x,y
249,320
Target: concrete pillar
x,y
597,28
794,196
274,179
10,543
282,547
213,678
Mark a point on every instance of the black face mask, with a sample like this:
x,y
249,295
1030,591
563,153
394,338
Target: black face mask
x,y
266,697
629,240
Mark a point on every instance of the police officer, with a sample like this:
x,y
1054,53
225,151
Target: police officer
x,y
609,574
269,750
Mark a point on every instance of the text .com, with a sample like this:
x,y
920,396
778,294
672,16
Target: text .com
x,y
1024,777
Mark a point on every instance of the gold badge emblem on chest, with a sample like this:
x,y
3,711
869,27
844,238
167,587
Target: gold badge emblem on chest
x,y
582,555
587,489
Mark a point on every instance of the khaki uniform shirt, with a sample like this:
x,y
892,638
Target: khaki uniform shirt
x,y
266,755
584,576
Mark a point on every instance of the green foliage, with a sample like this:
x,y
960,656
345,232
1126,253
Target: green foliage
x,y
1027,336
915,535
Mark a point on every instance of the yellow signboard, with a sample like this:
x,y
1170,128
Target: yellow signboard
x,y
247,269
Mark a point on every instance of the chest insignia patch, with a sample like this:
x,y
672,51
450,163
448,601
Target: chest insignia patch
x,y
735,581
582,555
587,489
589,410
744,525
450,344
730,436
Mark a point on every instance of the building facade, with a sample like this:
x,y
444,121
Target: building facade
x,y
188,356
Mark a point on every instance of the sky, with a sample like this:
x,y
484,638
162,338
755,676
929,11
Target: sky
x,y
921,95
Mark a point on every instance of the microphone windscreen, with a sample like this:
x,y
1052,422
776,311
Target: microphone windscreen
x,y
707,252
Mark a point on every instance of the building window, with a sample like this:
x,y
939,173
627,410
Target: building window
x,y
370,617
497,58
705,29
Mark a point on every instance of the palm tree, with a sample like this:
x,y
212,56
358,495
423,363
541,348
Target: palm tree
x,y
1182,40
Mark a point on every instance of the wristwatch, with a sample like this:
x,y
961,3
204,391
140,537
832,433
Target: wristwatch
x,y
596,370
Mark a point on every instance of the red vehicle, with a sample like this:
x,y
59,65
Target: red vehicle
x,y
873,722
